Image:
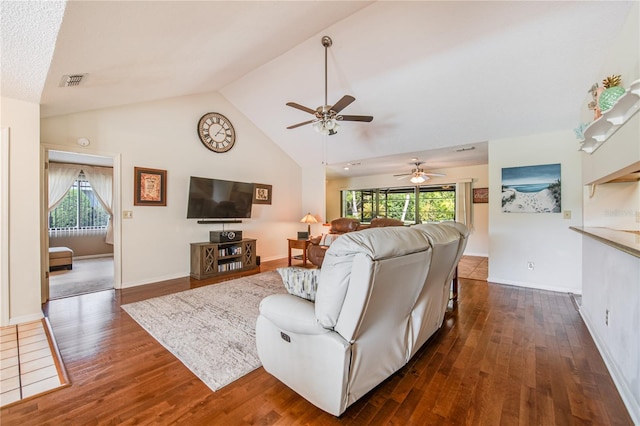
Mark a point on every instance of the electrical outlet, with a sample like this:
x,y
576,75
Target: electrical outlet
x,y
530,265
638,216
127,214
566,214
606,318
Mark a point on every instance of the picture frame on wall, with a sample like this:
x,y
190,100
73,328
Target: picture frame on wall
x,y
532,189
150,187
261,193
480,195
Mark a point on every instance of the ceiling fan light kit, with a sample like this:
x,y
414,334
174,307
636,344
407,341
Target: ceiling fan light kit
x,y
327,116
418,175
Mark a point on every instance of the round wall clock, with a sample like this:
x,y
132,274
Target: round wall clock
x,y
216,132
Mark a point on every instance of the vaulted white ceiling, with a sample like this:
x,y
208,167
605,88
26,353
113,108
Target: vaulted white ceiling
x,y
436,76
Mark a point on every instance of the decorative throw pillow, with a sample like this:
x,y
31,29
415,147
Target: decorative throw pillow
x,y
327,239
300,282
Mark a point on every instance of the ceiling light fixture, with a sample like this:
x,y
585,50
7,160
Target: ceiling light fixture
x,y
417,179
327,124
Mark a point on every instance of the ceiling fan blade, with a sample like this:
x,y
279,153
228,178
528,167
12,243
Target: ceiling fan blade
x,y
434,174
366,118
343,103
300,124
301,107
404,176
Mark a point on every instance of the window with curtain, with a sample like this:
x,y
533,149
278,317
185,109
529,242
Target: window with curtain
x,y
428,203
79,209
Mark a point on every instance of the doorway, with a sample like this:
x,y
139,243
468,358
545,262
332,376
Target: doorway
x,y
88,263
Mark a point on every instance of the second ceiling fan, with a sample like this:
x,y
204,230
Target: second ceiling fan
x,y
418,175
326,116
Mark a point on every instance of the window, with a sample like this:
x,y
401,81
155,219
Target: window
x,y
429,203
79,209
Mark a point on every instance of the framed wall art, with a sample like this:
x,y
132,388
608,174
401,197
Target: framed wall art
x,y
150,187
480,195
531,189
261,193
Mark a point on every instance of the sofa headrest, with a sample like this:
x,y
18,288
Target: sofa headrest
x,y
379,243
438,234
344,225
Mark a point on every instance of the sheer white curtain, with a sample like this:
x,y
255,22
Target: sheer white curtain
x,y
101,180
464,213
61,178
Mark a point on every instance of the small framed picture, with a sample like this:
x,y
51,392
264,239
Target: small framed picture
x,y
480,195
150,187
261,194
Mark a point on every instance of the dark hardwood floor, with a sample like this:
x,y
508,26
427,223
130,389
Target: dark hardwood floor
x,y
505,355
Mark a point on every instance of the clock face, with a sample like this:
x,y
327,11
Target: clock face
x,y
216,132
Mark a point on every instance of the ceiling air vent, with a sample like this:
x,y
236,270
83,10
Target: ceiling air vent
x,y
71,80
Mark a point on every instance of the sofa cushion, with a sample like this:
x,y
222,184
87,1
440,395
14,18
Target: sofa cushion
x,y
300,282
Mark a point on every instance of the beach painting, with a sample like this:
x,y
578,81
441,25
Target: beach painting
x,y
531,189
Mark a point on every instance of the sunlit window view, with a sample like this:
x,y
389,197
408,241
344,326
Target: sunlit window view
x,y
409,204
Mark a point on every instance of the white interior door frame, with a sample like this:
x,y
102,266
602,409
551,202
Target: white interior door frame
x,y
117,214
4,228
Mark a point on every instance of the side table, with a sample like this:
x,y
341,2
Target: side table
x,y
300,245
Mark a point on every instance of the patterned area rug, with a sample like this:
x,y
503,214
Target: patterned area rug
x,y
210,329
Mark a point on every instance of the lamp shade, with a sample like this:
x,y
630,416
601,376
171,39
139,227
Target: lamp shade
x,y
308,219
417,179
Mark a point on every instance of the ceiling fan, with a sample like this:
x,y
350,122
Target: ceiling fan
x,y
327,116
418,175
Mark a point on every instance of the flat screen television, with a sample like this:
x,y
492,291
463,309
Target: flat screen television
x,y
219,199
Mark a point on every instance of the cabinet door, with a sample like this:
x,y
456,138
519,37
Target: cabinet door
x,y
208,260
249,254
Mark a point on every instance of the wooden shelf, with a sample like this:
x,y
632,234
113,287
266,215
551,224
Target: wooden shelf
x,y
211,259
612,119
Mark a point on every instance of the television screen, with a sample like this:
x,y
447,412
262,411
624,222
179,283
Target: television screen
x,y
219,199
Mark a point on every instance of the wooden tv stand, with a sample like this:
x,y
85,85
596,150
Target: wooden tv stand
x,y
214,259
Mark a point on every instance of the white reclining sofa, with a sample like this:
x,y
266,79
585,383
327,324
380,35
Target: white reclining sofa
x,y
381,294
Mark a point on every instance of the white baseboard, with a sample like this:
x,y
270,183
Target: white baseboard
x,y
92,256
557,289
152,280
618,378
475,254
26,318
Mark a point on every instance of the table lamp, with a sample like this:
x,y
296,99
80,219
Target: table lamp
x,y
308,219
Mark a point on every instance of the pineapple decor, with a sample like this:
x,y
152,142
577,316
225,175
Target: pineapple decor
x,y
611,93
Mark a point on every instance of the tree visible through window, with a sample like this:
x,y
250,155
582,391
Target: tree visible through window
x,y
434,203
79,209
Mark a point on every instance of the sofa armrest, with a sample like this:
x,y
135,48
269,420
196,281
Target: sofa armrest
x,y
291,313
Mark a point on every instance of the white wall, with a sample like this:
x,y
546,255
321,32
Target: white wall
x,y
23,120
542,238
313,196
479,238
162,135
